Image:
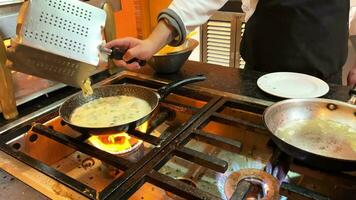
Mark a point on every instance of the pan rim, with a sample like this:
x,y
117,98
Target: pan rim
x,y
322,100
60,111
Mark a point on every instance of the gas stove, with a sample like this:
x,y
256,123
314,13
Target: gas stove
x,y
202,144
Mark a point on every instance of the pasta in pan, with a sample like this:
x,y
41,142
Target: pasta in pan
x,y
110,111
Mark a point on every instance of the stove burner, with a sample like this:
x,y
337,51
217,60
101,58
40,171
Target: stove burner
x,y
239,184
121,144
116,148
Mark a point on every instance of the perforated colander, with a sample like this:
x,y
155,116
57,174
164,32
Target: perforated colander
x,y
58,40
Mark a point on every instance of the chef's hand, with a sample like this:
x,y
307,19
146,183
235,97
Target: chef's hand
x,y
143,49
136,48
351,78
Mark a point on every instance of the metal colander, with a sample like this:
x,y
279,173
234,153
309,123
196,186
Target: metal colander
x,y
58,40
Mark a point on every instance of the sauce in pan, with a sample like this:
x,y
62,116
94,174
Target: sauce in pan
x,y
110,111
323,137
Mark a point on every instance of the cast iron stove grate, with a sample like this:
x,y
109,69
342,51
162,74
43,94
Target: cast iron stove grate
x,y
169,109
214,129
223,136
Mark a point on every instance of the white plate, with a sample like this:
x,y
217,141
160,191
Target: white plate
x,y
292,85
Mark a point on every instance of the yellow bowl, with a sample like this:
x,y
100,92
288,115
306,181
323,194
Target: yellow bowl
x,y
171,59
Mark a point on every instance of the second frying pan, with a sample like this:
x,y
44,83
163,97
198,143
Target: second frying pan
x,y
314,147
151,97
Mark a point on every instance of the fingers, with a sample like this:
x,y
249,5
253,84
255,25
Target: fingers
x,y
135,49
132,53
142,51
132,66
123,43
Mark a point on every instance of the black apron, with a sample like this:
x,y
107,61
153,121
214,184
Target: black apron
x,y
306,36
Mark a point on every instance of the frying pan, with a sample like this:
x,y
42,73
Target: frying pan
x,y
289,111
151,97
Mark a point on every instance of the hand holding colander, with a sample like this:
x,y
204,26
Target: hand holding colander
x,y
118,54
58,40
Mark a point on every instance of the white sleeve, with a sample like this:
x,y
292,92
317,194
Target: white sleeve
x,y
195,12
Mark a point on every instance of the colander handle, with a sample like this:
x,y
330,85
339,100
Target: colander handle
x,y
118,54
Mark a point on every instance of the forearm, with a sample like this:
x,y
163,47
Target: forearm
x,y
184,16
162,34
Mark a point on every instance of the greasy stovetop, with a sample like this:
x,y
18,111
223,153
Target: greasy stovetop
x,y
81,167
204,137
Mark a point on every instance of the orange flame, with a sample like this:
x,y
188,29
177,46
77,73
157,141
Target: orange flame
x,y
116,143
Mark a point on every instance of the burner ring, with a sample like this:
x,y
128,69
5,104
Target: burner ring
x,y
125,152
270,185
128,151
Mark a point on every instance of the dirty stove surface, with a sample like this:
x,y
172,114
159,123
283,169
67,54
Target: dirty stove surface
x,y
191,146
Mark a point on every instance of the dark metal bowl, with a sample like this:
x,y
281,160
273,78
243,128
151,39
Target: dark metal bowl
x,y
173,61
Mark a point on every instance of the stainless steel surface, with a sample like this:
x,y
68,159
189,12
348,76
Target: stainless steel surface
x,y
31,116
14,189
171,62
292,110
71,29
28,87
47,65
8,17
7,2
58,40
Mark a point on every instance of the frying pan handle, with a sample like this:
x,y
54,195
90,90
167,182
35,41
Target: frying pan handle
x,y
118,54
166,90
